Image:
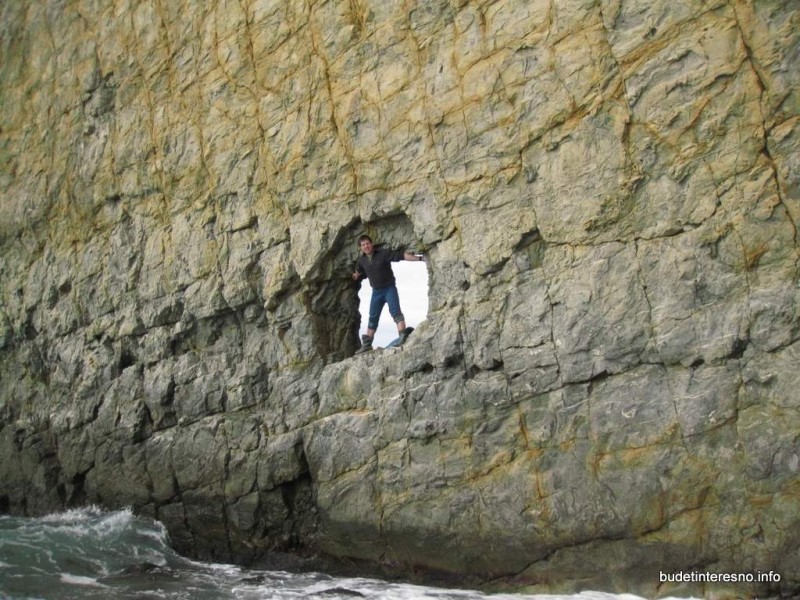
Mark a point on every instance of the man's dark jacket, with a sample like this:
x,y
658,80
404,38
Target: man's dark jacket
x,y
378,268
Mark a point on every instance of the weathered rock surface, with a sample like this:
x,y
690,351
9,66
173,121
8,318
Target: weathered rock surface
x,y
606,386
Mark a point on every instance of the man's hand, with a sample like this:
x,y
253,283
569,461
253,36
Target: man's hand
x,y
356,276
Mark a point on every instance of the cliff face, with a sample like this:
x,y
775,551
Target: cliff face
x,y
606,385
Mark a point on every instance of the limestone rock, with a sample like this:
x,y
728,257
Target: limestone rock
x,y
607,192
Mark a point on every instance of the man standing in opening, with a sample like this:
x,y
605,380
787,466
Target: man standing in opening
x,y
376,265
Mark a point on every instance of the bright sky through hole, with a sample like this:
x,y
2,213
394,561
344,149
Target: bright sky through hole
x,y
412,286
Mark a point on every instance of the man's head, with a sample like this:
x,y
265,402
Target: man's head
x,y
365,243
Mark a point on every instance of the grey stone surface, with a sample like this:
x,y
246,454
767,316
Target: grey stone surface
x,y
607,192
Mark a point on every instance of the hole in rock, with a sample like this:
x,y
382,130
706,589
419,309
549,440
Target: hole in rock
x,y
340,307
126,359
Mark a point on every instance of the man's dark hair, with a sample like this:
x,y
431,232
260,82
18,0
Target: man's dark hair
x,y
365,237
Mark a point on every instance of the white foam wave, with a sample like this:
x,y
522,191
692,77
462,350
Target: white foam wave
x,y
109,555
80,580
329,588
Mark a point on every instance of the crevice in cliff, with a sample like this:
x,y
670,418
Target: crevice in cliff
x,y
250,51
430,123
748,50
787,211
552,339
76,495
338,128
645,293
157,150
763,86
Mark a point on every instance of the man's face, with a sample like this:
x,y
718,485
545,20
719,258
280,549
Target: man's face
x,y
366,247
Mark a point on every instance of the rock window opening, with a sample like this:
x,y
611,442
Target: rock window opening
x,y
339,307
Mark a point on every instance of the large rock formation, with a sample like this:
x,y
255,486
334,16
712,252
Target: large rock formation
x,y
606,386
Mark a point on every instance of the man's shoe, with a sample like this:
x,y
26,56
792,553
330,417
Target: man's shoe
x,y
404,335
366,344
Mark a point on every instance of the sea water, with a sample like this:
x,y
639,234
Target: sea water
x,y
92,554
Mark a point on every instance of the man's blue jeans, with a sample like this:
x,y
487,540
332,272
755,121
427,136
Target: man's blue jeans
x,y
380,297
